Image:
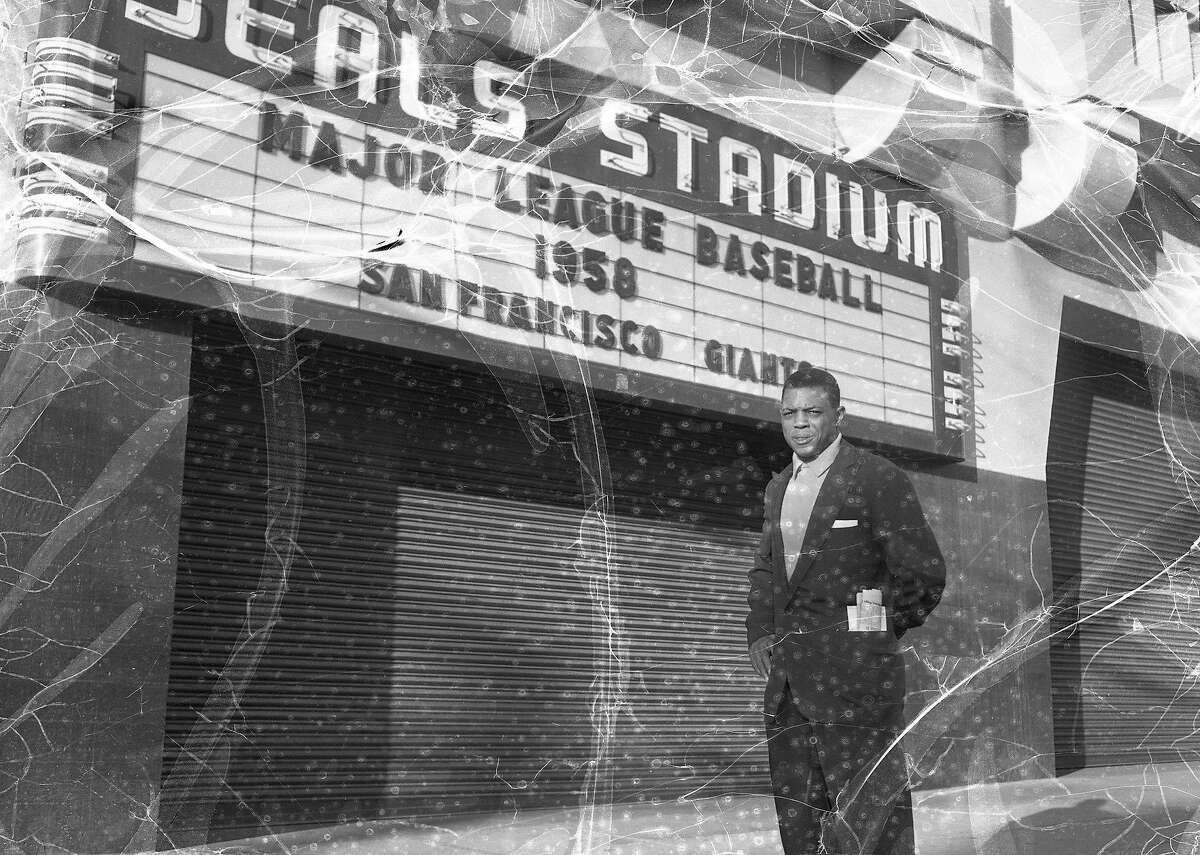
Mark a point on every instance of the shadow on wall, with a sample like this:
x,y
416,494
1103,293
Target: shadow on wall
x,y
1083,828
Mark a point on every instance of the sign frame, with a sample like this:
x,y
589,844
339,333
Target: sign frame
x,y
118,52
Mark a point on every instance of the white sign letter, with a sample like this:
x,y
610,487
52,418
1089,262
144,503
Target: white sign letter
x,y
833,205
410,87
347,40
240,19
637,162
685,135
804,216
749,181
513,127
877,240
920,233
185,23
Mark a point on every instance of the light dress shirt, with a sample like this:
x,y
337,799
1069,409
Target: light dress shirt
x,y
799,499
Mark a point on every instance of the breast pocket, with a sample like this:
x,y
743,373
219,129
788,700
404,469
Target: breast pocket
x,y
849,542
848,528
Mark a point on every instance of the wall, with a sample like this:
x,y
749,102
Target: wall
x,y
91,440
992,520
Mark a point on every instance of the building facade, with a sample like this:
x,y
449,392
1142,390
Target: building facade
x,y
390,389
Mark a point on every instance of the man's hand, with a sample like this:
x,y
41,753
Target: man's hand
x,y
760,655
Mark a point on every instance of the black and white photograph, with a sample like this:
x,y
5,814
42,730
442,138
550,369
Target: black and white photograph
x,y
600,427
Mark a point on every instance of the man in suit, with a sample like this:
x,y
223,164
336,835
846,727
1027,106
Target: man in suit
x,y
839,523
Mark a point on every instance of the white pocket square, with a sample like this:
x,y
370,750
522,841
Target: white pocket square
x,y
845,523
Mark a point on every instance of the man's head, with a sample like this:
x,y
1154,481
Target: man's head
x,y
810,411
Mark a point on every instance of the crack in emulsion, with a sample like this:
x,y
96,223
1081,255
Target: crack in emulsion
x,y
51,353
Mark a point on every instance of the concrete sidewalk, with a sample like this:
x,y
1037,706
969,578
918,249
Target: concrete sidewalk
x,y
1151,810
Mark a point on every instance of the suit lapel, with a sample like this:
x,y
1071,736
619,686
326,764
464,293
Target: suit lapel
x,y
825,511
780,485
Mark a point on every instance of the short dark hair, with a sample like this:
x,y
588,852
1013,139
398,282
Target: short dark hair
x,y
808,377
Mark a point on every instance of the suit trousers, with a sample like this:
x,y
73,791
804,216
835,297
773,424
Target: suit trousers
x,y
828,795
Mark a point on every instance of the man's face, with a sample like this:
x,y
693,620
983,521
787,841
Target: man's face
x,y
810,421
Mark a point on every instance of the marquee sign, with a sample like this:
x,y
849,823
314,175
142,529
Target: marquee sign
x,y
674,248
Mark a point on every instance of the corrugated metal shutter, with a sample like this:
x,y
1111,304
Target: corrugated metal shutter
x,y
436,648
1125,686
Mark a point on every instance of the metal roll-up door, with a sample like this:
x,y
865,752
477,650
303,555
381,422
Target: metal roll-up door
x,y
438,646
1121,526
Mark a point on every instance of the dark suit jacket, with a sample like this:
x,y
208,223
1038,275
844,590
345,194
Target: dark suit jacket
x,y
884,542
